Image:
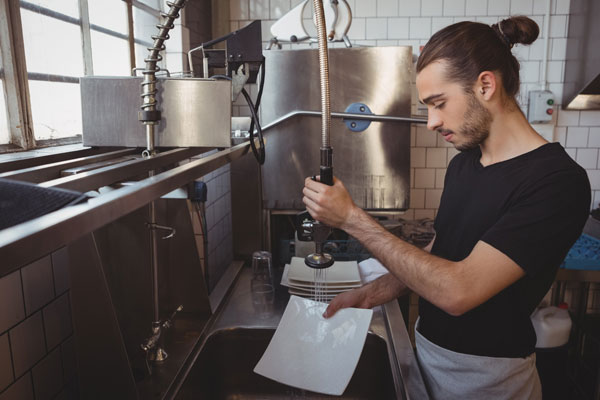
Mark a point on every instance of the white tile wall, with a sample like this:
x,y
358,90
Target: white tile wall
x,y
424,178
409,8
454,7
412,22
278,8
436,157
522,7
590,118
419,28
386,8
366,8
499,7
476,7
432,8
377,28
577,136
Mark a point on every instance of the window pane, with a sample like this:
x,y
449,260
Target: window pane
x,y
110,55
109,14
156,4
4,135
67,7
56,109
144,26
51,46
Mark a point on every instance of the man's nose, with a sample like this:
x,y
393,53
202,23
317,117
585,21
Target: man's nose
x,y
433,121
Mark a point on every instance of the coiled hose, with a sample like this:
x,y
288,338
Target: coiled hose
x,y
148,114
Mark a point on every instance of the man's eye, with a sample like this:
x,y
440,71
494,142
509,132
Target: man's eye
x,y
439,106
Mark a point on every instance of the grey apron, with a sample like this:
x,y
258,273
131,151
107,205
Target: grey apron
x,y
450,375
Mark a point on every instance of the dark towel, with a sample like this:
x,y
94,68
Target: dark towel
x,y
22,201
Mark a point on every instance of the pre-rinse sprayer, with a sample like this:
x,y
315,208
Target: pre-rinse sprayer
x,y
314,229
148,114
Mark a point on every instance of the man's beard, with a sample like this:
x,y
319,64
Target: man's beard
x,y
476,128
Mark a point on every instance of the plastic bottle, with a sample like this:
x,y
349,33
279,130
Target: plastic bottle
x,y
552,326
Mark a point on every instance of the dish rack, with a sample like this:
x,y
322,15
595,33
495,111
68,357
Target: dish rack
x,y
584,254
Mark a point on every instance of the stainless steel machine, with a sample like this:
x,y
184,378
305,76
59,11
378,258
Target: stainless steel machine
x,y
372,159
195,112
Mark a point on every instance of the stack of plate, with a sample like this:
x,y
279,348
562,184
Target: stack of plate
x,y
340,277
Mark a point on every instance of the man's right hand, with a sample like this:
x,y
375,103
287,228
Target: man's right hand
x,y
354,298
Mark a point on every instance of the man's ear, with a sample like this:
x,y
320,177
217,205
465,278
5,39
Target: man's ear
x,y
486,85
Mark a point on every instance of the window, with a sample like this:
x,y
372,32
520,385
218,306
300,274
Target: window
x,y
4,133
59,49
54,56
110,37
144,27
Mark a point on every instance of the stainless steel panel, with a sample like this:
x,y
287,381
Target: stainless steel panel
x,y
582,67
374,164
195,112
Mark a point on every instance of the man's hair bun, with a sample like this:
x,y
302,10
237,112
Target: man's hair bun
x,y
518,29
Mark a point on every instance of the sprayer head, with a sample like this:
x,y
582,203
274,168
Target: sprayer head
x,y
319,260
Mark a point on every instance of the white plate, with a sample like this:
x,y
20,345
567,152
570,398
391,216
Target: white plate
x,y
311,290
326,297
340,272
313,353
285,281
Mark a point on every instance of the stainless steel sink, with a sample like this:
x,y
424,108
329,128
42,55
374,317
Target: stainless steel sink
x,y
224,370
222,364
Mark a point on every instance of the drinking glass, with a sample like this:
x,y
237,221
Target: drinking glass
x,y
261,284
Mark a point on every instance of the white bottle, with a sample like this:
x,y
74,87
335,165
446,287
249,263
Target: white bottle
x,y
552,326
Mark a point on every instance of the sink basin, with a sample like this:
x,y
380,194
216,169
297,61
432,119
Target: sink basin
x,y
224,370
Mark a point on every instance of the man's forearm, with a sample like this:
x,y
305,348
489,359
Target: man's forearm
x,y
384,289
422,272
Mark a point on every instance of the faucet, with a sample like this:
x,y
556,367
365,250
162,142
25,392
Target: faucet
x,y
154,352
309,229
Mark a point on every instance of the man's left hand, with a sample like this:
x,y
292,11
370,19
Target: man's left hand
x,y
331,205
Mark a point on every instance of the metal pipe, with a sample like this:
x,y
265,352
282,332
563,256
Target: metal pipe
x,y
154,262
323,73
543,77
361,117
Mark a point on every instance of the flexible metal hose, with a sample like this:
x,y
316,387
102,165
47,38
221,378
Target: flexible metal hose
x,y
149,115
324,72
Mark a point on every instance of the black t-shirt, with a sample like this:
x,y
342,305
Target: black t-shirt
x,y
532,208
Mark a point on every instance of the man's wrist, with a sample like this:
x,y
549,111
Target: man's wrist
x,y
351,219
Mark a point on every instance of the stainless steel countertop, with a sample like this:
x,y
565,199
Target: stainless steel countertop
x,y
238,311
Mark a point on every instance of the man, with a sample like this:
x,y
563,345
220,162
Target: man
x,y
512,206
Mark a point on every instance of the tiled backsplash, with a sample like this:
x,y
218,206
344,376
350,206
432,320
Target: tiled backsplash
x,y
36,334
218,222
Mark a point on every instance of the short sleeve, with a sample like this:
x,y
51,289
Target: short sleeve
x,y
545,220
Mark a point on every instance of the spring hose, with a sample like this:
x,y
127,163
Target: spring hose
x,y
149,115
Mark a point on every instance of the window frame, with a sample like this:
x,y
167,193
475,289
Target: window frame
x,y
14,69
